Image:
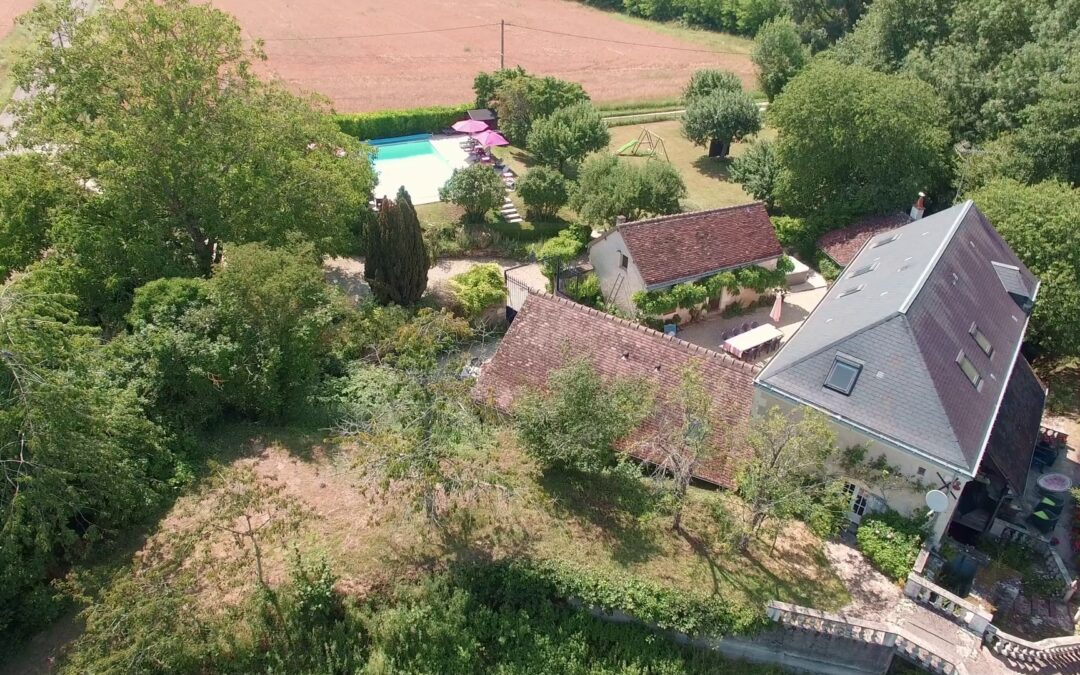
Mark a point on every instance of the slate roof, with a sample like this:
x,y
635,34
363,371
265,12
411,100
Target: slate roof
x,y
918,297
1012,441
547,332
688,246
843,244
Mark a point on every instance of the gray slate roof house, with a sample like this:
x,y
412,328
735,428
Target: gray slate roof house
x,y
917,344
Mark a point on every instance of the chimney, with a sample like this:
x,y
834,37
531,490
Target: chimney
x,y
919,207
620,220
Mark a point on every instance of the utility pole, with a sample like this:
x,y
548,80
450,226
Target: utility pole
x,y
502,44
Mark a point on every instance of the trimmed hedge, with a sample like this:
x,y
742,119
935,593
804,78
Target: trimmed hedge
x,y
391,123
648,602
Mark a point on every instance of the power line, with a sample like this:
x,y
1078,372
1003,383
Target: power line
x,y
377,35
623,42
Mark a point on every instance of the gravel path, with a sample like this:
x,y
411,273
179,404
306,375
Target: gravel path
x,y
873,594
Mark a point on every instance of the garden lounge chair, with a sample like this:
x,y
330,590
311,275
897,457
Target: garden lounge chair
x,y
1042,521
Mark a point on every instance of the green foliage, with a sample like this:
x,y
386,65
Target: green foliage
x,y
29,188
729,16
560,250
779,55
1039,224
479,288
544,191
187,149
708,81
890,542
854,142
585,290
577,422
520,99
393,123
476,188
567,135
756,170
609,187
397,261
78,458
823,22
690,294
410,341
721,117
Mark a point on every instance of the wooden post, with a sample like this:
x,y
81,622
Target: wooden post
x,y
502,44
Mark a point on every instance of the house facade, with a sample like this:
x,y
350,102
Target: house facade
x,y
658,253
914,357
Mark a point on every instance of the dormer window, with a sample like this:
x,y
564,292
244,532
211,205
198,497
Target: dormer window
x,y
970,371
843,375
981,340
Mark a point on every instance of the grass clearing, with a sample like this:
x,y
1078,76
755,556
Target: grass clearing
x,y
716,41
707,182
604,523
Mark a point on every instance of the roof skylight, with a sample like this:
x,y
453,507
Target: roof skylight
x,y
850,291
970,371
843,375
887,239
981,340
864,269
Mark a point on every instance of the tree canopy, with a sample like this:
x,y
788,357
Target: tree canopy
x,y
779,55
708,81
397,261
544,191
520,99
718,118
476,188
155,106
567,135
609,187
853,141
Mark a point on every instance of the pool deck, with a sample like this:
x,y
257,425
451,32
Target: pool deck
x,y
423,175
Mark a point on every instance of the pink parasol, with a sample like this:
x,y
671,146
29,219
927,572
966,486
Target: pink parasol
x,y
470,126
776,307
490,138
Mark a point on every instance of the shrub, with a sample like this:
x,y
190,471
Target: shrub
x,y
708,81
756,170
585,290
479,288
476,188
391,123
559,250
544,191
890,542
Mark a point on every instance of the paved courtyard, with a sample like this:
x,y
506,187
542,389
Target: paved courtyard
x,y
798,303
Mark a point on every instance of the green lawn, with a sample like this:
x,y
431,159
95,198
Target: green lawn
x,y
707,182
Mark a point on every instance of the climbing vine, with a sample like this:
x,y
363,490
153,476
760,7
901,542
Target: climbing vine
x,y
693,293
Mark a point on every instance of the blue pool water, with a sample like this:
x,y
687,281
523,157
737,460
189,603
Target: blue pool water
x,y
403,147
412,162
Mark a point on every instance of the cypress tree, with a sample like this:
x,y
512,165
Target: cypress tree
x,y
397,261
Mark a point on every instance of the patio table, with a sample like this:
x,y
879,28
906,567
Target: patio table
x,y
755,337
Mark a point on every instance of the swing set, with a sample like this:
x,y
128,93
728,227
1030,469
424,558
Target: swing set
x,y
647,144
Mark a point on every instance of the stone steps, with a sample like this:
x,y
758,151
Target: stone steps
x,y
509,212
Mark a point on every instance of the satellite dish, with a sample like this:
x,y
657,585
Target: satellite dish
x,y
937,501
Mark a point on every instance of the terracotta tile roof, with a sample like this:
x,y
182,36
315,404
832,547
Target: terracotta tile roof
x,y
842,245
686,246
549,331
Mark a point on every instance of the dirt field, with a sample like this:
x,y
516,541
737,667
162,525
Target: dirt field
x,y
305,49
11,10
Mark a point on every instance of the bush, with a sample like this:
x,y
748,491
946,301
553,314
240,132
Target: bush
x,y
890,542
476,188
561,249
756,170
567,135
544,191
585,289
479,288
708,81
391,123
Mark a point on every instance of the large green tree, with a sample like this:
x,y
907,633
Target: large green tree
x,y
708,81
716,119
156,107
1039,223
779,55
567,135
853,141
609,187
476,188
30,188
823,22
544,191
520,98
77,458
397,261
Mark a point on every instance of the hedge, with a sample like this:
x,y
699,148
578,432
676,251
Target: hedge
x,y
391,123
649,602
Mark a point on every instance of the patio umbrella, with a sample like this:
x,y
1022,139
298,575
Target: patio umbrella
x,y
776,307
470,126
490,138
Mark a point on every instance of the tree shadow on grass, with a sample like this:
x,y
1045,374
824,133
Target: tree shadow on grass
x,y
618,503
713,167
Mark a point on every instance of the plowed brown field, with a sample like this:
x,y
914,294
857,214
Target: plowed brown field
x,y
307,50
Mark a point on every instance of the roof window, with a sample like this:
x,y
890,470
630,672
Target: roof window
x,y
843,375
970,371
887,239
850,291
864,269
981,340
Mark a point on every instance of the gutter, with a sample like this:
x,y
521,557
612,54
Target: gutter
x,y
967,473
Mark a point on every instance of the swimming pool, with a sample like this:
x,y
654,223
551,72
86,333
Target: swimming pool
x,y
421,164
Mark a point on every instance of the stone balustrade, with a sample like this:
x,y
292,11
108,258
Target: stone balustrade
x,y
1020,649
870,632
922,590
